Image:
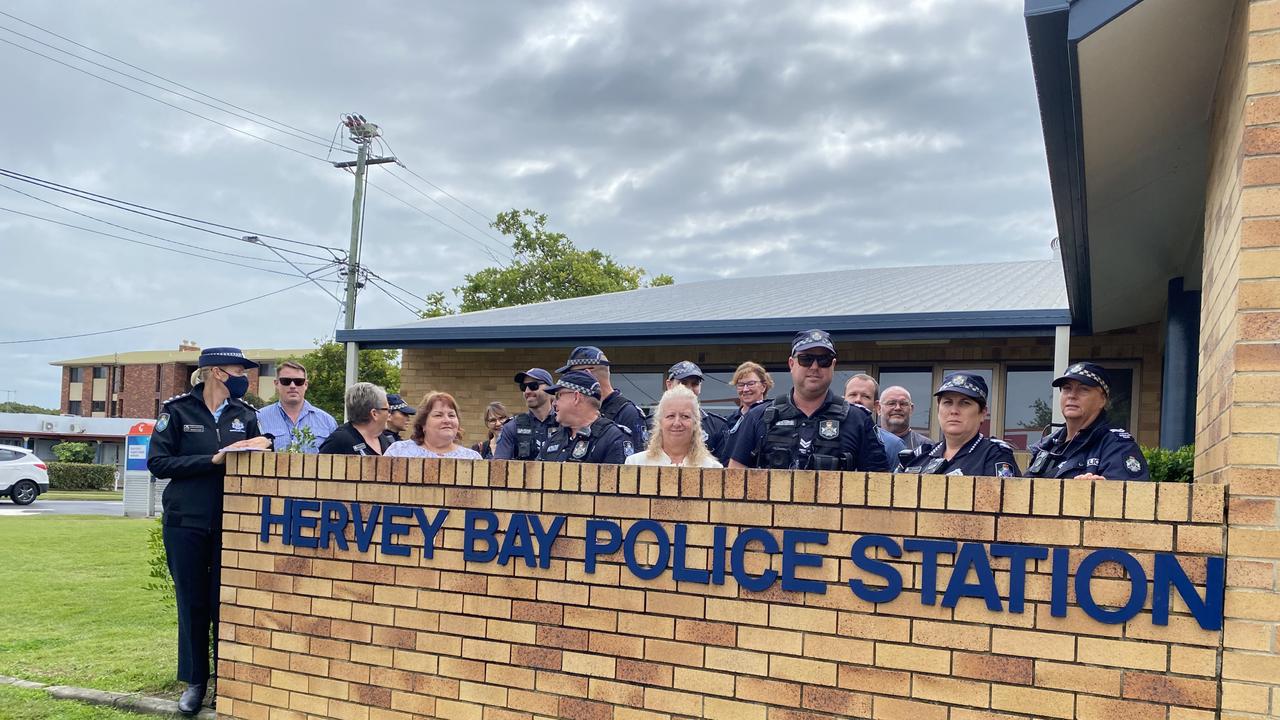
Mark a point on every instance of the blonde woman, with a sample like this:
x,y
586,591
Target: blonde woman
x,y
677,437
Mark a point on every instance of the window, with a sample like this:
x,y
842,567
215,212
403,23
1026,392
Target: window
x,y
267,369
100,372
73,407
7,455
1120,408
1028,405
642,388
158,376
99,406
919,382
76,374
117,379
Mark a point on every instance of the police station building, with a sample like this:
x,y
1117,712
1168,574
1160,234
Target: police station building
x,y
1010,323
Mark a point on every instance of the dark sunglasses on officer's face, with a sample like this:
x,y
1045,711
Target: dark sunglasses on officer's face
x,y
292,381
530,386
824,361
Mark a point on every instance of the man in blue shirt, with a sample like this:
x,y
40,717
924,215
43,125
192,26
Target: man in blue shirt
x,y
862,389
292,411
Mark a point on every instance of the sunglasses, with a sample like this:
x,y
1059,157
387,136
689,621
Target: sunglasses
x,y
299,382
824,361
530,386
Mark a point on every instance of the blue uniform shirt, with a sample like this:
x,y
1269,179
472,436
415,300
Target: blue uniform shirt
x,y
625,413
892,445
509,438
856,435
273,420
983,456
600,442
1096,450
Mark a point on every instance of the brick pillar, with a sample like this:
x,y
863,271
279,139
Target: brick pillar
x,y
1238,414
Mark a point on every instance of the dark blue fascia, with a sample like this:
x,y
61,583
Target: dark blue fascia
x,y
946,325
1054,31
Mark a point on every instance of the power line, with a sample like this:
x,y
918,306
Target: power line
x,y
488,251
156,322
410,293
154,75
437,187
397,300
146,234
321,142
165,102
447,209
153,213
147,244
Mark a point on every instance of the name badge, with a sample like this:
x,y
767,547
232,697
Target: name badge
x,y
524,431
192,428
553,448
785,423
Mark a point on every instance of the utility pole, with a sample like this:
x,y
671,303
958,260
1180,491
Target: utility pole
x,y
363,133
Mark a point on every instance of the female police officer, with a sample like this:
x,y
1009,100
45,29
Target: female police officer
x,y
962,404
188,446
1088,448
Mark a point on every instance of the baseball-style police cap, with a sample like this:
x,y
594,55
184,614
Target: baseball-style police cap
x,y
1087,373
397,403
810,339
538,374
225,356
684,369
577,381
969,385
584,355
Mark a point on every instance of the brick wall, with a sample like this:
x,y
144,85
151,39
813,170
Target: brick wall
x,y
1238,415
478,377
345,634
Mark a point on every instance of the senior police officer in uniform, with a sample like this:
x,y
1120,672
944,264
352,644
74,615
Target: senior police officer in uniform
x,y
963,450
613,405
397,419
1088,448
687,373
585,435
812,428
523,436
189,446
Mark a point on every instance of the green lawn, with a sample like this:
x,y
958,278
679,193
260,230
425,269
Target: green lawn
x,y
76,611
82,495
18,704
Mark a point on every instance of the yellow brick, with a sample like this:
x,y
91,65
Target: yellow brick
x,y
721,709
1124,653
703,681
1027,643
1108,499
584,664
849,650
907,657
951,635
1017,496
802,670
1140,501
792,617
951,691
886,708
1041,703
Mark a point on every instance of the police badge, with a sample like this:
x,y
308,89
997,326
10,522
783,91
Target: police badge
x,y
162,422
1132,465
828,429
237,425
580,450
1004,470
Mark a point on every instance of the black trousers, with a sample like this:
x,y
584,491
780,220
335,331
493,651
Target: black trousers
x,y
195,562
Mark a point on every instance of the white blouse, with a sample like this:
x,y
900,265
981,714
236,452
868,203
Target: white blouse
x,y
642,458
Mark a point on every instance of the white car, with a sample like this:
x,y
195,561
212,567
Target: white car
x,y
23,476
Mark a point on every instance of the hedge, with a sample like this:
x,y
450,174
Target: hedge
x,y
81,476
1171,465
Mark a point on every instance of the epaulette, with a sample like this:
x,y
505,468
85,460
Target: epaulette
x,y
860,406
175,397
1001,443
247,404
1124,434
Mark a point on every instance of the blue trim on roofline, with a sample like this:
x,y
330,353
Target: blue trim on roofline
x,y
1054,30
995,323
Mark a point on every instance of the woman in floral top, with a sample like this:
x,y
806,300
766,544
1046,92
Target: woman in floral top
x,y
435,432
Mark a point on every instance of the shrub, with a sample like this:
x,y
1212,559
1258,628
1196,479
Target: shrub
x,y
81,476
1171,465
73,452
158,564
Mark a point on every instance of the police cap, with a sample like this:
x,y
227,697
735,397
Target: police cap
x,y
397,403
576,381
538,374
684,369
584,355
1086,373
968,385
215,356
810,339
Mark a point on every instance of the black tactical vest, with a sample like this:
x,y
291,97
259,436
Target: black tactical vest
x,y
526,447
613,405
783,421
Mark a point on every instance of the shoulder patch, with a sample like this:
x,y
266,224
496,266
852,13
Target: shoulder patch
x,y
1122,433
162,422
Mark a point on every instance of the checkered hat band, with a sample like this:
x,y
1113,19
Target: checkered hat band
x,y
579,388
966,385
401,406
1094,377
582,361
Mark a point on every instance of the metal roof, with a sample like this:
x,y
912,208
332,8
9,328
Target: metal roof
x,y
161,357
987,299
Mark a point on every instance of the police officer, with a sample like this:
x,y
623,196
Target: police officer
x,y
1088,448
525,434
397,420
714,427
812,428
963,450
613,406
189,447
585,435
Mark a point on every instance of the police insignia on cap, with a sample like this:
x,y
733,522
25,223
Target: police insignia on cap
x,y
828,429
815,335
580,450
1132,465
1004,470
162,422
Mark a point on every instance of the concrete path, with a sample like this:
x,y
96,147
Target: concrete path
x,y
133,702
63,507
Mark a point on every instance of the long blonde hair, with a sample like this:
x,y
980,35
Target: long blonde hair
x,y
698,452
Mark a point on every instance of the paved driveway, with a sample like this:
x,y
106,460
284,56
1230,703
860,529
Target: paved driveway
x,y
63,507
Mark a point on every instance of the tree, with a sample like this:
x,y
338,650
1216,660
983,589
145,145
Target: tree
x,y
327,373
73,452
547,266
17,407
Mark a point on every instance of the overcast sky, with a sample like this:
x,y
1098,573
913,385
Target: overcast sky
x,y
702,140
